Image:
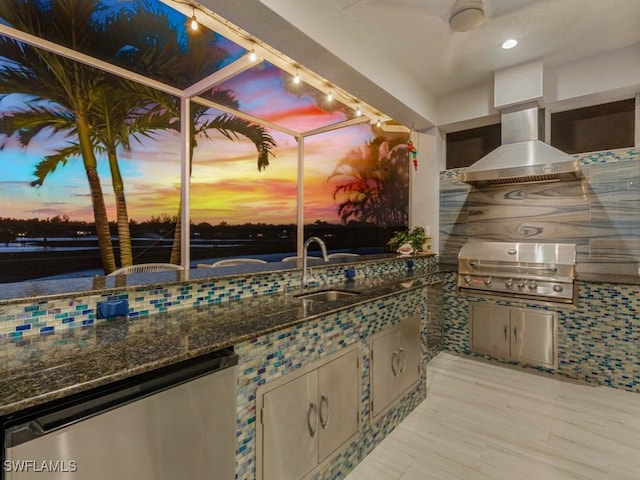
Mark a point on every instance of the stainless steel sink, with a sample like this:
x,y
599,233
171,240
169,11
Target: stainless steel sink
x,y
326,295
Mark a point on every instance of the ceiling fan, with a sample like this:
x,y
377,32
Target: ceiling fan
x,y
466,15
461,15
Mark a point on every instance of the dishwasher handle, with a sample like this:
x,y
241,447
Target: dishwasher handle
x,y
102,399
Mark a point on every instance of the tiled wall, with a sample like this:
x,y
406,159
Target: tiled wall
x,y
271,356
435,318
598,342
600,213
43,316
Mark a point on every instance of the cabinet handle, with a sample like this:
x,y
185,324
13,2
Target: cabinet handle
x,y
515,334
324,421
394,367
312,413
402,358
505,333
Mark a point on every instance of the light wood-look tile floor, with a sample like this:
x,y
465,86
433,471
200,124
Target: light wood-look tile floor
x,y
492,422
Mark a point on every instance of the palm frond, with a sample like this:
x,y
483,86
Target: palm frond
x,y
49,164
231,127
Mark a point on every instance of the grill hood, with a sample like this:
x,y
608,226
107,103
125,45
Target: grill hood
x,y
522,157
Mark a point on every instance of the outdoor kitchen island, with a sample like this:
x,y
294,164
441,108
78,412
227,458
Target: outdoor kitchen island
x,y
273,334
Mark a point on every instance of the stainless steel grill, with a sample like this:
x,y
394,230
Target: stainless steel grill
x,y
535,271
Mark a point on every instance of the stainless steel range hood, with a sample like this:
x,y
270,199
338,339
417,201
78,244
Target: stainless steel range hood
x,y
522,157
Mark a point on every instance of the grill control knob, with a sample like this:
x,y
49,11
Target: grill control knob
x,y
557,288
520,283
487,281
467,279
533,285
509,282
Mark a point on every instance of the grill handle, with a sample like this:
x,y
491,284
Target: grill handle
x,y
513,267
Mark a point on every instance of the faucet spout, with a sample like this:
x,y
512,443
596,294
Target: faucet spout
x,y
305,275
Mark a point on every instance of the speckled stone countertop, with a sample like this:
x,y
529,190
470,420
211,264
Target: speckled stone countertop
x,y
46,368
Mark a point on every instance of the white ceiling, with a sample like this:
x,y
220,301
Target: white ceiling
x,y
401,56
415,34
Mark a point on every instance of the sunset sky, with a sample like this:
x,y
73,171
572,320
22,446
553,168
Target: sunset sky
x,y
226,184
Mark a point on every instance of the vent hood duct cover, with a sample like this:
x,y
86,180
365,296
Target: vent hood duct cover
x,y
522,158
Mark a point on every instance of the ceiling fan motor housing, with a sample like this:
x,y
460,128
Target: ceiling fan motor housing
x,y
466,15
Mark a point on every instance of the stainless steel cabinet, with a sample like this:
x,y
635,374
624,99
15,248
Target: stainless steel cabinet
x,y
513,333
307,416
490,327
290,423
395,363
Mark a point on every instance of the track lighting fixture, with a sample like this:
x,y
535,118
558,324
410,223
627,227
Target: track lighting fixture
x,y
296,78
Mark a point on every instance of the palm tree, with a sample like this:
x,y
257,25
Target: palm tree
x,y
200,57
118,118
373,183
153,48
71,87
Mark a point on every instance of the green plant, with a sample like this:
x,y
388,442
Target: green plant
x,y
415,237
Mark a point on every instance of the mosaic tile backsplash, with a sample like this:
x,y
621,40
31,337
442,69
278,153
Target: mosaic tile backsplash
x,y
598,342
43,316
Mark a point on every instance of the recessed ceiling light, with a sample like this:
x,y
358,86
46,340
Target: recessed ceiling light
x,y
509,44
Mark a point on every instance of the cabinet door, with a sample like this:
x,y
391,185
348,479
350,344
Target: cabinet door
x,y
384,370
409,352
290,429
338,402
490,330
532,336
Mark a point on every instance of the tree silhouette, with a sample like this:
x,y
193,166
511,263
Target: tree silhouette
x,y
372,183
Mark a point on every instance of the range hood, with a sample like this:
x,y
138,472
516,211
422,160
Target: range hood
x,y
522,157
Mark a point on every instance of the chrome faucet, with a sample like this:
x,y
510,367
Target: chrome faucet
x,y
306,279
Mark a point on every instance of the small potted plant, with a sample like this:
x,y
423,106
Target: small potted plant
x,y
415,238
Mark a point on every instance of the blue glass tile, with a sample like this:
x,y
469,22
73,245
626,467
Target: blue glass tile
x,y
20,328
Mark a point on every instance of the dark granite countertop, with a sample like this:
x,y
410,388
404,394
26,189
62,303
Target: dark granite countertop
x,y
38,370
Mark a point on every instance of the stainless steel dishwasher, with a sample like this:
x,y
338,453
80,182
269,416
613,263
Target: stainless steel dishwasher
x,y
175,423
